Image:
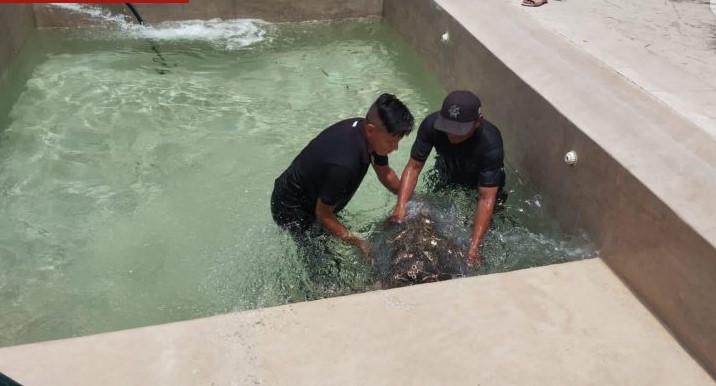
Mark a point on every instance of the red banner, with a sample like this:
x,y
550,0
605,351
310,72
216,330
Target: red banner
x,y
96,1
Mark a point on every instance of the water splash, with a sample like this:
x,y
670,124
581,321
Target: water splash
x,y
226,34
232,34
521,235
97,13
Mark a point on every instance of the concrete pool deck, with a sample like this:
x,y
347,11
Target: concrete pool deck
x,y
667,48
570,324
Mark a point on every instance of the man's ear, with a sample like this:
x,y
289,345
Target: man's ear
x,y
369,128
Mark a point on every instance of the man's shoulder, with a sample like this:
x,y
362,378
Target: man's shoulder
x,y
429,121
490,132
350,122
342,143
489,125
337,131
427,126
491,139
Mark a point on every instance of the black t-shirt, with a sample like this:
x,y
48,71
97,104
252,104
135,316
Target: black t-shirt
x,y
331,167
476,162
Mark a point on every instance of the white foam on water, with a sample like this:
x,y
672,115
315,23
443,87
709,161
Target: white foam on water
x,y
226,34
231,34
95,12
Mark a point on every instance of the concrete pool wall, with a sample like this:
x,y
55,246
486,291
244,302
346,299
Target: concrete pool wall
x,y
16,22
269,10
646,207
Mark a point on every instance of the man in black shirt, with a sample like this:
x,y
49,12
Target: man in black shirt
x,y
470,154
324,176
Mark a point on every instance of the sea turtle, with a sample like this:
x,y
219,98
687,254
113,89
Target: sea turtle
x,y
418,253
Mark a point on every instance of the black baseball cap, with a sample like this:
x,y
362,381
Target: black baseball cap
x,y
459,112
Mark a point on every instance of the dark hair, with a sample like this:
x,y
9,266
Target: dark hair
x,y
394,115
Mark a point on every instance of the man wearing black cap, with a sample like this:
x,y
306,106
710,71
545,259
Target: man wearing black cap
x,y
324,176
470,154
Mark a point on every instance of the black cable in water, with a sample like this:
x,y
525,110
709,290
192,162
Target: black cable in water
x,y
159,59
135,12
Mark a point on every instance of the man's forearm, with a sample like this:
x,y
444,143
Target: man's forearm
x,y
335,228
483,215
408,181
327,217
392,182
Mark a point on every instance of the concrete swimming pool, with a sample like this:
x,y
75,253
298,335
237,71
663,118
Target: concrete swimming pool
x,y
636,225
134,197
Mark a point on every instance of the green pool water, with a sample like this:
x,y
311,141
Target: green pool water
x,y
130,197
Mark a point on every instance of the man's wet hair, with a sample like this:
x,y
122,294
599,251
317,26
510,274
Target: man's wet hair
x,y
394,115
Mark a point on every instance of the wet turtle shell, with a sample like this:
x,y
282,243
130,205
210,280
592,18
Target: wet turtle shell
x,y
422,255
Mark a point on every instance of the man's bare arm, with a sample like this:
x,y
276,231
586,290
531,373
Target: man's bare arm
x,y
387,177
327,217
483,215
408,180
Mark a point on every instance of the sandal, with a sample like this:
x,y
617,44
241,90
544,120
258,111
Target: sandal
x,y
533,3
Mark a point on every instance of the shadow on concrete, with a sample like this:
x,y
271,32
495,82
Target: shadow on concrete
x,y
6,381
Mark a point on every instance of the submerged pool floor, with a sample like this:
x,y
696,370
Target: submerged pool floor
x,y
130,197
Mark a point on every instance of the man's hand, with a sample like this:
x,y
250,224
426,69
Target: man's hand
x,y
327,217
365,249
363,246
474,260
397,216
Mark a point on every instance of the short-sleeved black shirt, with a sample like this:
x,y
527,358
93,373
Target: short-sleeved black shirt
x,y
479,161
331,167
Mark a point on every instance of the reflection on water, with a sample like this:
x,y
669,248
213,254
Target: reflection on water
x,y
129,198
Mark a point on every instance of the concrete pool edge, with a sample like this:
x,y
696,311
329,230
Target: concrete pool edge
x,y
548,97
464,331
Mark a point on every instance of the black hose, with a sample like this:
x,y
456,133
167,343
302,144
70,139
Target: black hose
x,y
152,44
136,14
